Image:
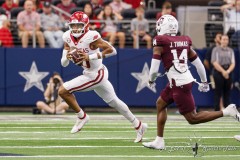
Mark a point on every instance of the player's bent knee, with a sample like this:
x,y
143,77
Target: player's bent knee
x,y
192,120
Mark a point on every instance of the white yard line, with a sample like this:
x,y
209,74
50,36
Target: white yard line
x,y
111,138
118,156
183,130
114,127
42,147
107,122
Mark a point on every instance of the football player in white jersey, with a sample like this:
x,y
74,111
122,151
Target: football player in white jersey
x,y
95,74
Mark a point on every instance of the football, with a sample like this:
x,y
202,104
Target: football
x,y
76,58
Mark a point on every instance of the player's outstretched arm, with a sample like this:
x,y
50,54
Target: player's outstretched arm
x,y
65,56
198,64
204,86
156,60
107,49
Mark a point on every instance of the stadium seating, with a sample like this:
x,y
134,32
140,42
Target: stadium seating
x,y
56,2
21,3
14,12
106,2
76,9
1,2
97,11
176,3
151,13
211,28
128,14
215,3
2,10
210,31
81,3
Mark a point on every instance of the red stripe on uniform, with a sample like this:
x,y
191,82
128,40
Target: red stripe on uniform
x,y
95,82
96,79
83,116
138,125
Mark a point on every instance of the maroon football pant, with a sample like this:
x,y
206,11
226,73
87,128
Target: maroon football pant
x,y
181,95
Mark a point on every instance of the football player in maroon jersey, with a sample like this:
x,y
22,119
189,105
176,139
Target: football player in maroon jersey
x,y
174,52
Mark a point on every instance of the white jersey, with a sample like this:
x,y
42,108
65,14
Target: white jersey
x,y
84,45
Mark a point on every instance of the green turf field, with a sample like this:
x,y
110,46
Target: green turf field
x,y
110,136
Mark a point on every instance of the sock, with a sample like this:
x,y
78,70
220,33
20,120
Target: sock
x,y
136,123
123,109
81,114
225,113
159,139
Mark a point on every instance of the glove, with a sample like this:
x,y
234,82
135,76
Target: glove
x,y
203,87
151,84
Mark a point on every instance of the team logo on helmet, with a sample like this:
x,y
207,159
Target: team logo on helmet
x,y
78,23
167,24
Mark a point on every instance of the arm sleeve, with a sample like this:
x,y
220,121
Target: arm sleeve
x,y
64,60
200,69
154,69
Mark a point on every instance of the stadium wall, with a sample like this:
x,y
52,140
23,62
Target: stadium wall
x,y
24,74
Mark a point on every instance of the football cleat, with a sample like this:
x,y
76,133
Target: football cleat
x,y
231,110
79,124
140,132
155,144
237,137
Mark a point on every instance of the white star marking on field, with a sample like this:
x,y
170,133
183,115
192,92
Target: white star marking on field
x,y
33,77
143,78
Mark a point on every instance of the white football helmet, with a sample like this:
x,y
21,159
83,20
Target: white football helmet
x,y
167,24
78,23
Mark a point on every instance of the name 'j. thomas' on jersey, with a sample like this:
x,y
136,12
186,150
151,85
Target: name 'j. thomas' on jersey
x,y
175,50
175,57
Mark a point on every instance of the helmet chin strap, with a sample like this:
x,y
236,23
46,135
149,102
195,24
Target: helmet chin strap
x,y
79,34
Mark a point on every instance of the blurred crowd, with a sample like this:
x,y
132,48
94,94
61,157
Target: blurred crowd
x,y
23,22
44,22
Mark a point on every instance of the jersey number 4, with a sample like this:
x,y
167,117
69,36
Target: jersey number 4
x,y
180,63
183,55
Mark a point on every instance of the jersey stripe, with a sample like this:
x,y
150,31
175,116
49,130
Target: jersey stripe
x,y
88,84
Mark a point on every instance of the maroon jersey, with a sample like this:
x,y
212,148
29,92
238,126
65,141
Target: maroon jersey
x,y
175,48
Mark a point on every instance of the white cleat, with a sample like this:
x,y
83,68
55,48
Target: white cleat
x,y
237,137
79,124
140,132
232,111
155,144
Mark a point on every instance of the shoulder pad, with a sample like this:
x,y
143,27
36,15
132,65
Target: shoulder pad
x,y
92,36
